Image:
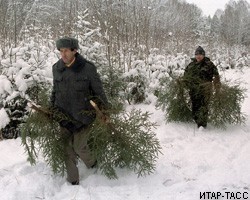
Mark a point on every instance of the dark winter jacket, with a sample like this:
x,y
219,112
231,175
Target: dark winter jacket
x,y
201,73
74,86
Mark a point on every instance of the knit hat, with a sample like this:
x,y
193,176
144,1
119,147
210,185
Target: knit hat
x,y
199,51
67,42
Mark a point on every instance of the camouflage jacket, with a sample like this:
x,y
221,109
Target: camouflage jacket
x,y
200,73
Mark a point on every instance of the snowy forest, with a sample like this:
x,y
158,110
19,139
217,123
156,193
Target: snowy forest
x,y
134,44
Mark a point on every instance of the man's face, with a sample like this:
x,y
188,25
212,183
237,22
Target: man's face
x,y
67,55
199,57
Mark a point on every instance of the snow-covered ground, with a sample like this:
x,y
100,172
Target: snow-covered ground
x,y
193,162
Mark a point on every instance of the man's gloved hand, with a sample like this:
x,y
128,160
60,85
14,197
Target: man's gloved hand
x,y
105,119
217,84
72,126
68,125
217,88
52,110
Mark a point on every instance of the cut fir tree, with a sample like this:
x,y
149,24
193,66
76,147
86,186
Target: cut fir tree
x,y
173,99
224,106
126,140
41,132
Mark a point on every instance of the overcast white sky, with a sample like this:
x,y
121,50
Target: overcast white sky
x,y
210,6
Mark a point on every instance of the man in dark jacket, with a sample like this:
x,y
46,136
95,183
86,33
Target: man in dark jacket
x,y
199,76
75,82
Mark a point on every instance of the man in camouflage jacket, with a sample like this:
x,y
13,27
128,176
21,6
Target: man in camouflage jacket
x,y
200,76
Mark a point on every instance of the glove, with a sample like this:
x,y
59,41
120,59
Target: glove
x,y
217,84
71,126
68,125
105,119
217,88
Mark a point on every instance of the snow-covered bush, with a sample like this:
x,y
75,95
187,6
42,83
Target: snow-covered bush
x,y
137,82
24,68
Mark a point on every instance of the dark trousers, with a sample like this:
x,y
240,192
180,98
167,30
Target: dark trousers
x,y
200,102
77,147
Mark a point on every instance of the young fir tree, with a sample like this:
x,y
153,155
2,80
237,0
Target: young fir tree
x,y
16,109
113,85
137,82
127,140
224,106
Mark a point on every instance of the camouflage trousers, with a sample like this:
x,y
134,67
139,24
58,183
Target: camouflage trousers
x,y
200,106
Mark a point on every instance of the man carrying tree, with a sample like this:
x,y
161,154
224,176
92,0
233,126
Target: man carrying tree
x,y
75,82
200,76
